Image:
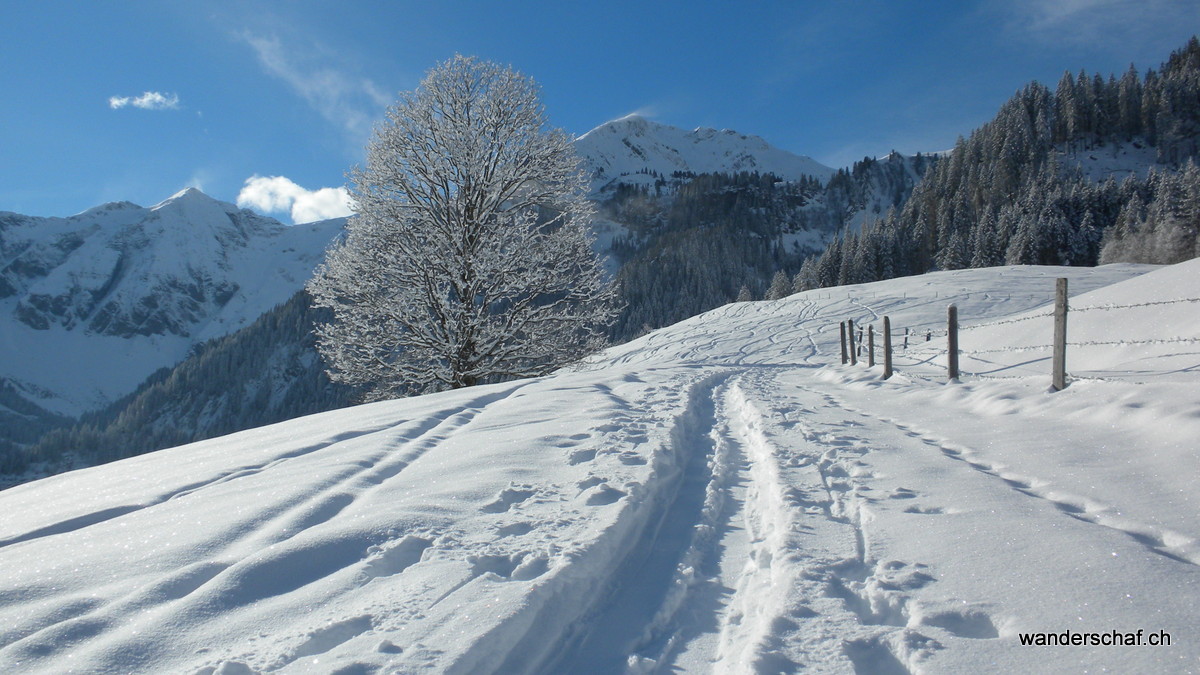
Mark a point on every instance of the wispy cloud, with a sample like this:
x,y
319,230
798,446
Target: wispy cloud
x,y
1086,21
150,100
350,102
198,180
279,194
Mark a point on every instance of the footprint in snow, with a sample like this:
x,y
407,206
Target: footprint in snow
x,y
590,481
602,495
385,561
969,623
508,497
515,567
581,456
631,459
514,529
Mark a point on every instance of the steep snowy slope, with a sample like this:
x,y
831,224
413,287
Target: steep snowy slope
x,y
626,150
92,304
718,496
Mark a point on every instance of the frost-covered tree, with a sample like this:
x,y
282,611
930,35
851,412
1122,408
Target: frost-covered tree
x,y
781,286
467,259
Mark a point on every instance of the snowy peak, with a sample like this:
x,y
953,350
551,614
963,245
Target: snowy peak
x,y
633,149
191,198
182,271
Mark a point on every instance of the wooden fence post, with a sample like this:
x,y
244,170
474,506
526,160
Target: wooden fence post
x,y
887,347
871,345
952,341
853,349
1060,336
842,326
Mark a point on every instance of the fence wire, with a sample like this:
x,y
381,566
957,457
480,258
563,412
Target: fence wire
x,y
915,350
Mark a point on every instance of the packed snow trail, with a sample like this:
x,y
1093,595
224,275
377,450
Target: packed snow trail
x,y
718,496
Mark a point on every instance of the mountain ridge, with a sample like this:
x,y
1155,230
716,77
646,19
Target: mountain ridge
x,y
632,149
129,289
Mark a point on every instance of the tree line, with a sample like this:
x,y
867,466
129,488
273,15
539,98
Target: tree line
x,y
1014,191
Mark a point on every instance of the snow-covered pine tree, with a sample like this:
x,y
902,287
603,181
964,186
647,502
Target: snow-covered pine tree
x,y
467,260
781,286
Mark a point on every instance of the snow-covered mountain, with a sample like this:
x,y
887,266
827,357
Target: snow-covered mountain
x,y
722,496
92,304
632,149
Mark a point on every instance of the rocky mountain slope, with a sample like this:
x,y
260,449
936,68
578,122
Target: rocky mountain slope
x,y
92,304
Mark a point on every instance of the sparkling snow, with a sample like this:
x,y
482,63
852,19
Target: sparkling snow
x,y
721,495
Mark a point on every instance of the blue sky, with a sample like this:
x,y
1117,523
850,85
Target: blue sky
x,y
136,100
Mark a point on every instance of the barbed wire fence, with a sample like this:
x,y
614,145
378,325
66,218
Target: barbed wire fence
x,y
856,339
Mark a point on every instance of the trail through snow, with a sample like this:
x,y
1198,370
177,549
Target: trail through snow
x,y
718,496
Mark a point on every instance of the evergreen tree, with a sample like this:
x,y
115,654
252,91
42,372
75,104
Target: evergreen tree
x,y
781,286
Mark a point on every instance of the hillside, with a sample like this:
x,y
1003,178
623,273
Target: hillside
x,y
720,495
120,292
1096,170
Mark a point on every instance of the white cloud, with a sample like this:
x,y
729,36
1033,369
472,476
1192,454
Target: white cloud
x,y
353,103
279,194
150,100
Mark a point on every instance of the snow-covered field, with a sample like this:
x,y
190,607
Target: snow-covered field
x,y
718,496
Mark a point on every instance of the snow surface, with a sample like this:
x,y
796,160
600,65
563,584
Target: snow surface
x,y
1118,160
624,149
721,495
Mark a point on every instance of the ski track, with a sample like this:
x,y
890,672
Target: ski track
x,y
762,561
220,586
851,607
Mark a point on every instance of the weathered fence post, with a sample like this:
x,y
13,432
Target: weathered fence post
x,y
842,327
871,345
1060,335
952,341
853,350
887,347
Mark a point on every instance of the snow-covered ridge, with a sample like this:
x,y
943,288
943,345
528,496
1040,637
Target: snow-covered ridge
x,y
626,149
721,495
112,294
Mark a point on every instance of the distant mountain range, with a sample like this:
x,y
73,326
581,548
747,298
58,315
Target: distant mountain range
x,y
124,329
92,304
